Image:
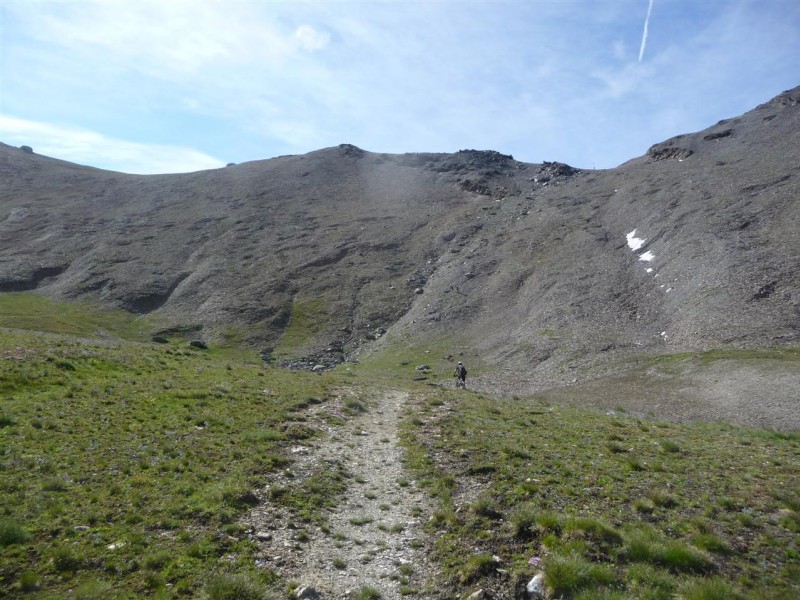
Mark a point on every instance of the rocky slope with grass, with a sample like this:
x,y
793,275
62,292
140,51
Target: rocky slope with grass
x,y
131,468
540,275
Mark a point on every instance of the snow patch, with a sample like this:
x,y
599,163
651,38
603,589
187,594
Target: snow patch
x,y
635,243
647,256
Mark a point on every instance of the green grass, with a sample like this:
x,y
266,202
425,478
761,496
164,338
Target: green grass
x,y
367,593
477,566
304,327
11,533
703,500
398,359
567,575
710,356
235,587
128,464
36,313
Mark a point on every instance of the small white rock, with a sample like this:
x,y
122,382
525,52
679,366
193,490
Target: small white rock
x,y
536,587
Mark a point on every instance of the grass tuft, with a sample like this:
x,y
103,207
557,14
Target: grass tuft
x,y
95,589
476,567
711,543
566,575
711,589
237,586
367,593
11,533
669,446
593,529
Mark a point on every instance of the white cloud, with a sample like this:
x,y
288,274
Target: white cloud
x,y
541,80
90,148
310,39
162,38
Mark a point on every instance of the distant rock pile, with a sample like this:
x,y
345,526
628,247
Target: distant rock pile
x,y
554,172
671,149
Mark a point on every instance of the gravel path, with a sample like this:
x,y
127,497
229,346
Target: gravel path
x,y
373,537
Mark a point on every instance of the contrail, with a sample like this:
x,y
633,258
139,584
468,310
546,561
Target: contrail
x,y
644,33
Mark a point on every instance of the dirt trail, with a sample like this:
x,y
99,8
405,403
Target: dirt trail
x,y
373,537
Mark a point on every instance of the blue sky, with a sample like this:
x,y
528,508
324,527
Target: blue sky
x,y
181,85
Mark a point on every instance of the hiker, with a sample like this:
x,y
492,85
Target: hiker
x,y
461,375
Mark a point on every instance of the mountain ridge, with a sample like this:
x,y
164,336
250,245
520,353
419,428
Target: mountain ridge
x,y
331,255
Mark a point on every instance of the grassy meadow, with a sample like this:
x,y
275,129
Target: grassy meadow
x,y
125,466
604,505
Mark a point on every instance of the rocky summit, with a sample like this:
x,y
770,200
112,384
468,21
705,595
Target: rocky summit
x,y
542,275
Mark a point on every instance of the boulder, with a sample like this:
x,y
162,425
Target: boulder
x,y
198,344
308,593
536,587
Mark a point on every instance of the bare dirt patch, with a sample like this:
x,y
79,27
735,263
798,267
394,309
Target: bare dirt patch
x,y
373,536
